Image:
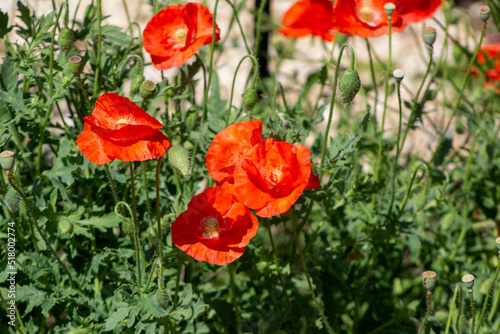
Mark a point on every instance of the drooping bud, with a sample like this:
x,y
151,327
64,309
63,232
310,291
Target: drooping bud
x,y
484,13
468,280
192,118
90,13
399,74
429,280
179,158
389,8
12,199
250,99
148,89
162,297
137,79
66,40
7,160
75,65
429,34
349,86
128,227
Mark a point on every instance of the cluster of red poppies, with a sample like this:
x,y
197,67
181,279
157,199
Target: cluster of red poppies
x,y
267,175
363,18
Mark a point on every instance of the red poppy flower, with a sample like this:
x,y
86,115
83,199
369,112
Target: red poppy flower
x,y
215,228
309,17
175,34
267,175
119,129
367,18
490,55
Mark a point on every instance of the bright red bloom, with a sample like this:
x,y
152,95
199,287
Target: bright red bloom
x,y
175,34
309,17
267,174
215,228
119,129
490,55
367,18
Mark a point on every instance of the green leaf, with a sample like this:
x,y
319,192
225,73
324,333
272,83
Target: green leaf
x,y
117,317
148,304
4,23
101,223
48,304
9,74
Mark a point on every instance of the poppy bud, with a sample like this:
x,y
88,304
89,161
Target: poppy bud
x,y
148,89
191,118
12,199
429,280
468,280
250,99
162,297
398,74
137,79
484,13
128,227
65,225
89,15
7,160
75,65
349,86
178,157
389,8
429,34
66,40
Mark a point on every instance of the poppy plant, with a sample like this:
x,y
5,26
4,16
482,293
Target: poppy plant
x,y
215,228
367,18
309,17
174,35
119,129
266,174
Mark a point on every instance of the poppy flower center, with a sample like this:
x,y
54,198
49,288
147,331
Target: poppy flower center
x,y
180,36
123,121
274,175
210,228
367,15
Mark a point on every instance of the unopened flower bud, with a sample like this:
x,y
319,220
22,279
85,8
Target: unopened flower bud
x,y
65,225
162,297
137,79
399,74
349,86
468,280
75,65
12,199
66,40
148,89
250,99
179,158
429,280
484,13
7,160
128,227
389,8
429,34
90,13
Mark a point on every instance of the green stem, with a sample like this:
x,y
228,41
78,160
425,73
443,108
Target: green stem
x,y
210,66
234,298
33,221
448,323
473,310
490,289
387,74
408,193
429,304
372,72
457,104
235,15
278,268
398,150
112,184
158,212
335,80
146,189
99,42
84,91
293,216
138,249
415,101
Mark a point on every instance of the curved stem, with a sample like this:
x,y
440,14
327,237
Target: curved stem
x,y
235,13
415,101
256,71
332,103
33,221
234,298
457,104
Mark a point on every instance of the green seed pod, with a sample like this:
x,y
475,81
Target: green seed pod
x,y
349,86
147,89
429,35
162,297
66,40
12,199
429,280
250,99
468,280
389,8
484,13
75,65
7,160
90,13
179,158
